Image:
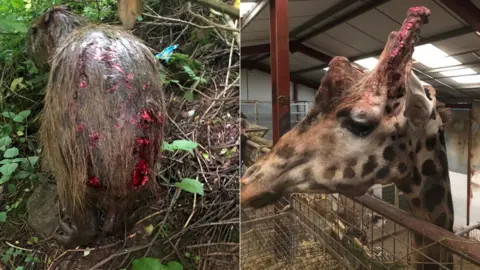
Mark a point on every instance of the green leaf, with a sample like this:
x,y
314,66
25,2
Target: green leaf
x,y
11,152
3,217
8,114
147,264
33,160
7,129
5,141
174,266
25,113
140,18
12,188
148,229
8,169
16,82
20,128
18,119
190,185
6,161
4,179
188,96
21,175
190,72
185,145
19,268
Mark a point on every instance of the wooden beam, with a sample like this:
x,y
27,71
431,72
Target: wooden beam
x,y
280,68
318,55
343,19
466,10
465,248
255,49
253,13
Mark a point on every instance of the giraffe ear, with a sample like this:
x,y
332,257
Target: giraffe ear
x,y
418,105
340,77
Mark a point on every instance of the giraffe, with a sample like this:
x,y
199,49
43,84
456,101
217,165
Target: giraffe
x,y
364,129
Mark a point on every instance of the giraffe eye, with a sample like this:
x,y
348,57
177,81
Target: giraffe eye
x,y
360,129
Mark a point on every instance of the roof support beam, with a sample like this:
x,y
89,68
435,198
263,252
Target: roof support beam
x,y
280,68
466,10
294,47
435,38
252,13
321,17
342,19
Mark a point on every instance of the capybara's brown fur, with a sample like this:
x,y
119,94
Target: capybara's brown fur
x,y
103,117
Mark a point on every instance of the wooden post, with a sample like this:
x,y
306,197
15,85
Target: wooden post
x,y
280,68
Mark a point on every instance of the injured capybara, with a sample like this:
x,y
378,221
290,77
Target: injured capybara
x,y
103,118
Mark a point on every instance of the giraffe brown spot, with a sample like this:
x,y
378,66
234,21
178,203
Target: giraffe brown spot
x,y
429,168
416,202
442,156
430,142
383,172
402,167
306,123
441,220
388,153
369,166
417,179
419,147
348,173
352,162
308,174
434,197
305,157
318,187
382,140
410,155
388,110
330,172
441,135
404,186
402,147
285,152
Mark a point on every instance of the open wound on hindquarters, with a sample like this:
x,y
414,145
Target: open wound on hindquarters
x,y
117,80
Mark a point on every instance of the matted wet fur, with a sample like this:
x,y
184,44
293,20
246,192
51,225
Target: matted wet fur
x,y
102,123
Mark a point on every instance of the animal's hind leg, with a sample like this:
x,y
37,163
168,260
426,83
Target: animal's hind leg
x,y
76,235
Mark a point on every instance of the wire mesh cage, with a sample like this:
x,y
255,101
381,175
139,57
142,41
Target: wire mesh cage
x,y
334,232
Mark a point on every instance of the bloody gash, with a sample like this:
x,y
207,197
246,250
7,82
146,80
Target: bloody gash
x,y
103,118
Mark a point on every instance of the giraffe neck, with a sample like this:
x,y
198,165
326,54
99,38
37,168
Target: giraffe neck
x,y
429,195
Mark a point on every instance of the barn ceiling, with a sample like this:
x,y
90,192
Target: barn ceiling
x,y
448,57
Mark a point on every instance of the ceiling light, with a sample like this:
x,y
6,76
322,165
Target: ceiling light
x,y
433,57
245,7
326,69
368,63
458,72
467,79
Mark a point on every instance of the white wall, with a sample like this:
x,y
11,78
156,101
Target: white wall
x,y
257,85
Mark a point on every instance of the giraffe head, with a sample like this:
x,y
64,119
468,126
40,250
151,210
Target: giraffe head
x,y
357,133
